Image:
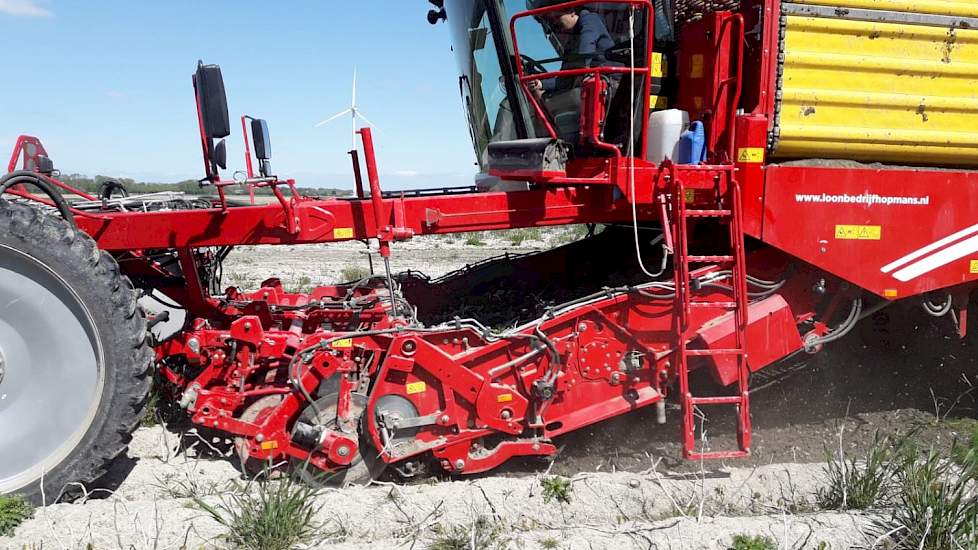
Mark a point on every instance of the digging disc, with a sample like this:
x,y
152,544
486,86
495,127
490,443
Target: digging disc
x,y
365,467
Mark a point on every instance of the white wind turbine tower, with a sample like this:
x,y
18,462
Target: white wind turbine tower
x,y
353,111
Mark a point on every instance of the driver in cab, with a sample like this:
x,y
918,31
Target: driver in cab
x,y
584,37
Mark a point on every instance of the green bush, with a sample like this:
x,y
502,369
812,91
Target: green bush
x,y
753,542
14,510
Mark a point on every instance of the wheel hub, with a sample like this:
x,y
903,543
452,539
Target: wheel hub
x,y
50,367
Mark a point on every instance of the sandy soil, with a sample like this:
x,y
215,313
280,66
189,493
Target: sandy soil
x,y
656,507
630,490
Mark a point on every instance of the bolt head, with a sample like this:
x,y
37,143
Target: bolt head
x,y
507,415
445,418
343,451
194,345
260,437
459,464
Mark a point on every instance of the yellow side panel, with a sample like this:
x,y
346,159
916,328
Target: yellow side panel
x,y
873,91
958,8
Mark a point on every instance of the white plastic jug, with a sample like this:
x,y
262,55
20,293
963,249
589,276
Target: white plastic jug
x,y
665,130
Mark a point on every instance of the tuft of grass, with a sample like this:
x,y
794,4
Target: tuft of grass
x,y
518,236
475,239
352,273
187,485
275,515
861,483
549,543
151,415
752,542
556,488
14,510
241,281
482,534
303,284
936,508
966,454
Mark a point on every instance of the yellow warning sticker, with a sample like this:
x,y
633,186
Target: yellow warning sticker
x,y
343,343
504,398
343,233
660,66
696,65
752,155
890,293
973,268
690,195
416,387
858,232
268,445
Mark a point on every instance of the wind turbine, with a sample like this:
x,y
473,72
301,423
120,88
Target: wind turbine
x,y
353,111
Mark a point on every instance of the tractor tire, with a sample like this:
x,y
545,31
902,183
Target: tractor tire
x,y
75,363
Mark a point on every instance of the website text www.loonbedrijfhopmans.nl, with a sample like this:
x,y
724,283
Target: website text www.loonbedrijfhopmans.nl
x,y
867,199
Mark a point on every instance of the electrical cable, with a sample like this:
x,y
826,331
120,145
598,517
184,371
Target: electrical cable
x,y
630,151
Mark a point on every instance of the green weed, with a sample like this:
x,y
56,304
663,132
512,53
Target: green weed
x,y
556,488
753,542
14,510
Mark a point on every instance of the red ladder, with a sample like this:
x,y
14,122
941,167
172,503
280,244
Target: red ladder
x,y
727,212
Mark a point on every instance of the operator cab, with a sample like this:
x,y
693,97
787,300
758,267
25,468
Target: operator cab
x,y
553,88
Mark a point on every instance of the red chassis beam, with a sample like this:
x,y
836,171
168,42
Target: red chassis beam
x,y
339,219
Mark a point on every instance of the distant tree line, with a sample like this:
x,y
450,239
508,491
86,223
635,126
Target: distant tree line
x,y
191,187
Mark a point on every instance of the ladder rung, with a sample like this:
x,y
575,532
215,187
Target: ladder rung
x,y
709,259
718,455
713,304
708,213
709,352
720,400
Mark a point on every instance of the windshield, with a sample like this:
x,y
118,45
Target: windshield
x,y
482,84
589,36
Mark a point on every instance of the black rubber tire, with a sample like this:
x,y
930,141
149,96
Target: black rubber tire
x,y
95,278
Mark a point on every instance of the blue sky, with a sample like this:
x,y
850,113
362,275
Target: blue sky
x,y
106,85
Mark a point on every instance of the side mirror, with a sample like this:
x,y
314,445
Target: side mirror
x,y
209,84
260,139
220,155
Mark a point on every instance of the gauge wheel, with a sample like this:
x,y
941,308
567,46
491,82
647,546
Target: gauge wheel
x,y
75,363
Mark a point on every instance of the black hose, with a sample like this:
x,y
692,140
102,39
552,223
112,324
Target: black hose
x,y
108,186
32,178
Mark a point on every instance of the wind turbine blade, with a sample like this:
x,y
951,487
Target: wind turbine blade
x,y
354,104
365,119
332,118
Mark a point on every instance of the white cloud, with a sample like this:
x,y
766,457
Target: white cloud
x,y
24,8
112,94
402,173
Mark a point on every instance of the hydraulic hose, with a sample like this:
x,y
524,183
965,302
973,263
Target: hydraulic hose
x,y
20,177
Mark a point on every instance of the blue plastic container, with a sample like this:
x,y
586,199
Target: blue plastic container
x,y
692,144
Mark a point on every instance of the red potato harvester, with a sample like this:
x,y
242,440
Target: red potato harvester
x,y
768,173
